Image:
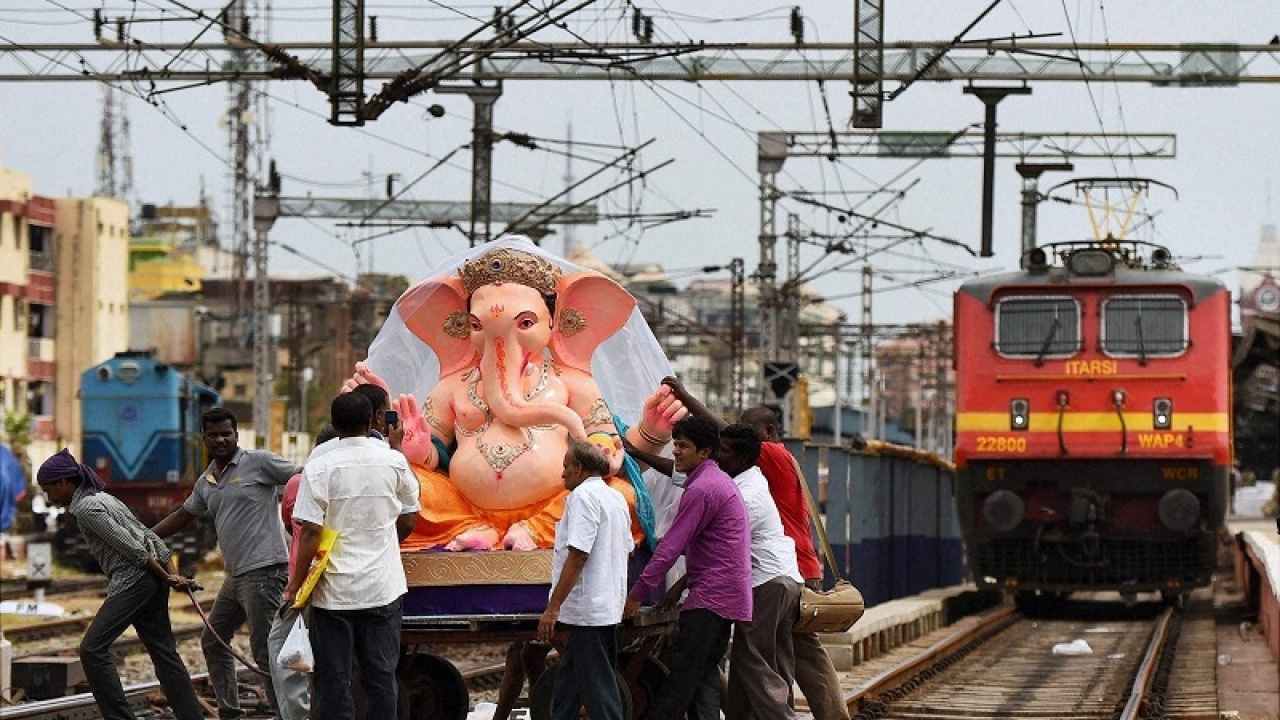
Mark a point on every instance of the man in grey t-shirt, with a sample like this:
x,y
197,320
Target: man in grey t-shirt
x,y
239,492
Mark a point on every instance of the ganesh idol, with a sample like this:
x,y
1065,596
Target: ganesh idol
x,y
494,361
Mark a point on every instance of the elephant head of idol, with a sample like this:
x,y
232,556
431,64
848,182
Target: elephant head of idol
x,y
508,312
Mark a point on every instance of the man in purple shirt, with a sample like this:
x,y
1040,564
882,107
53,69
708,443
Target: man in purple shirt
x,y
711,531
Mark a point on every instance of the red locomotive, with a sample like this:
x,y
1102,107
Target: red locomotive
x,y
1093,413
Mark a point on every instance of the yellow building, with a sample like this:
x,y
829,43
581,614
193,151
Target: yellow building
x,y
15,193
156,269
162,258
91,238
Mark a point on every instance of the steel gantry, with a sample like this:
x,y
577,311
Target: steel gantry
x,y
200,63
778,339
339,68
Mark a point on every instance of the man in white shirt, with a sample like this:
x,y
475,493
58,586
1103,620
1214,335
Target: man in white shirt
x,y
588,587
762,661
365,491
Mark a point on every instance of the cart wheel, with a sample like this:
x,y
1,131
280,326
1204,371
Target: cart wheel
x,y
540,696
431,688
647,684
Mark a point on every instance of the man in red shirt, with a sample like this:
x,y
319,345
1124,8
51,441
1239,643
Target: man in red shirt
x,y
815,674
780,469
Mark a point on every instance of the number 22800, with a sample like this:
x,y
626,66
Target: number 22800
x,y
1002,444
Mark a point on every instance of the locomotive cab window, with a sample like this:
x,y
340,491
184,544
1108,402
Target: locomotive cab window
x,y
1144,326
1037,327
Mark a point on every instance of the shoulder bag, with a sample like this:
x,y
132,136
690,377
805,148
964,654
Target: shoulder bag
x,y
826,611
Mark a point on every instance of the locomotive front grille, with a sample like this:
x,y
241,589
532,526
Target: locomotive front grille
x,y
1118,564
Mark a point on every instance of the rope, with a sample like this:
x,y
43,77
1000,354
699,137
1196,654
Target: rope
x,y
205,619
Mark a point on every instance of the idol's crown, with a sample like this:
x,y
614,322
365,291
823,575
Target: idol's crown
x,y
506,265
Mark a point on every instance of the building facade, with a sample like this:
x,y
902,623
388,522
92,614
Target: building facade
x,y
15,197
91,241
63,304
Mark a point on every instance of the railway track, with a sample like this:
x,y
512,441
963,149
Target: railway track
x,y
13,588
59,627
1002,665
145,696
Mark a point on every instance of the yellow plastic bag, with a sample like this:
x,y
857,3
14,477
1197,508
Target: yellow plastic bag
x,y
318,564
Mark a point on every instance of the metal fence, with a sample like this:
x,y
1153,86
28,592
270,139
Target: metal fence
x,y
890,517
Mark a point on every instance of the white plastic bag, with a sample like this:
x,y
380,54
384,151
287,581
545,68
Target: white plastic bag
x,y
1075,647
296,654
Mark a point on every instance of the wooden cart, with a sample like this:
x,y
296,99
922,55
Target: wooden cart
x,y
498,597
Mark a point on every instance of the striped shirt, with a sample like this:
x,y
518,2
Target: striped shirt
x,y
117,540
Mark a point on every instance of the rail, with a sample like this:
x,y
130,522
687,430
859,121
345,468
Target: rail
x,y
953,674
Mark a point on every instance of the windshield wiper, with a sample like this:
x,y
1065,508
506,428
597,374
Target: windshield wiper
x,y
1048,341
1142,343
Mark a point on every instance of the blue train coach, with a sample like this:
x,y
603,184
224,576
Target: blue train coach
x,y
141,434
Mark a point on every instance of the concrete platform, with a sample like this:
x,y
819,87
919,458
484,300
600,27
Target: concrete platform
x,y
1249,623
893,624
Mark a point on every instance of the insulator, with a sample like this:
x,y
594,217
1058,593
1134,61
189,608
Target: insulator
x,y
797,25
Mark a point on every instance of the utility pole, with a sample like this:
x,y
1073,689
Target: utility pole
x,y
772,153
790,295
868,63
1030,174
866,344
737,330
483,98
245,116
346,98
990,97
266,208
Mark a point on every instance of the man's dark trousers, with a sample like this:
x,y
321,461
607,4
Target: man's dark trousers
x,y
585,675
145,605
700,641
372,637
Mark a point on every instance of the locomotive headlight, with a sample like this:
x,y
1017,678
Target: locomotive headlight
x,y
1091,262
1179,509
1162,413
1019,414
1003,510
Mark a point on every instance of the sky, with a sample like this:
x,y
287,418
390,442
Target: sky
x,y
1225,140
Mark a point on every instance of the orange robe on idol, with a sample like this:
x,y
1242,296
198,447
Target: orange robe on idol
x,y
445,513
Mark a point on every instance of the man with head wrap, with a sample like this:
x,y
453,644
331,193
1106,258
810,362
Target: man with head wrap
x,y
135,562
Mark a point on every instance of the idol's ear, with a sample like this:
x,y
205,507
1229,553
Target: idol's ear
x,y
435,310
589,309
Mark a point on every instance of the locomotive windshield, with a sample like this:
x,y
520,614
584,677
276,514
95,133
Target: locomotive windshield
x,y
1038,327
1144,326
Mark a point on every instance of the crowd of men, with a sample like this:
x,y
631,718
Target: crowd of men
x,y
741,526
